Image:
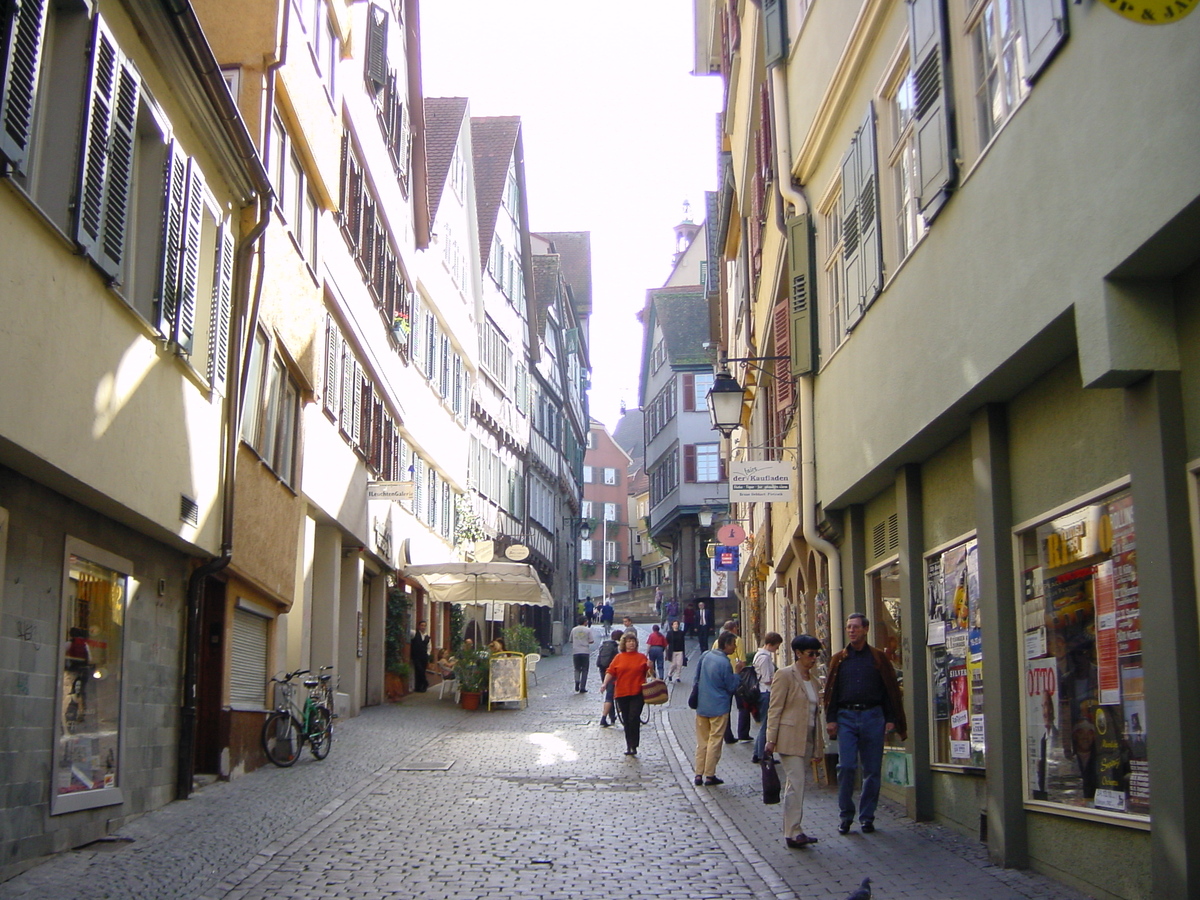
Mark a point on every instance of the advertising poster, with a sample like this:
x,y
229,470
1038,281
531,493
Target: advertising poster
x,y
719,586
1109,673
941,684
974,629
1125,583
1048,764
960,716
1112,760
936,608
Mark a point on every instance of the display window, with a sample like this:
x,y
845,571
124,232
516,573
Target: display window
x,y
1085,704
954,633
886,633
96,589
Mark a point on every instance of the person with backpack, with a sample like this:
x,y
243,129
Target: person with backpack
x,y
604,657
764,667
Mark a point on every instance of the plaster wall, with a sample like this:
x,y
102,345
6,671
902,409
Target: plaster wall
x,y
948,493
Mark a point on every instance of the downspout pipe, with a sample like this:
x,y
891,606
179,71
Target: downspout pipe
x,y
794,195
205,67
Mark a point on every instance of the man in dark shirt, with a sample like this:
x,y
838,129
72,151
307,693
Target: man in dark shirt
x,y
862,706
420,657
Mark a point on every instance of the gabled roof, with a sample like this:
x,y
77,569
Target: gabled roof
x,y
443,122
682,314
493,142
575,249
546,271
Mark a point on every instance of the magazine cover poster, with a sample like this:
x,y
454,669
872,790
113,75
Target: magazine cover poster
x,y
1048,763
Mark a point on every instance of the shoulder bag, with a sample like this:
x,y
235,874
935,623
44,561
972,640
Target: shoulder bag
x,y
655,691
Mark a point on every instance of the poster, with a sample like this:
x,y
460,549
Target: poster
x,y
955,637
941,684
1046,753
960,716
1108,672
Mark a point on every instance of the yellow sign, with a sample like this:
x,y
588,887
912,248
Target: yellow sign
x,y
1152,12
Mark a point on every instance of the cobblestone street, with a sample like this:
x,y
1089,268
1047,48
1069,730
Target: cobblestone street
x,y
422,799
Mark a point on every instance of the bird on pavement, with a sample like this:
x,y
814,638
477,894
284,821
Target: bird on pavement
x,y
863,892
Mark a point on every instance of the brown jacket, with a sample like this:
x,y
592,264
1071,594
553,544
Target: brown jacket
x,y
884,666
789,714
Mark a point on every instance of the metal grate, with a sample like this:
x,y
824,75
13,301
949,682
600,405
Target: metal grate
x,y
189,510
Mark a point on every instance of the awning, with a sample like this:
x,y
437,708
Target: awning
x,y
475,584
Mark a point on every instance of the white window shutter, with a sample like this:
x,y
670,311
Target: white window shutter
x,y
174,187
870,236
333,371
851,237
1044,25
934,121
377,28
19,79
189,268
222,304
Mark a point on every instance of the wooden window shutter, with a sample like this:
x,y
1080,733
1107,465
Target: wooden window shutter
x,y
775,31
97,129
19,68
869,231
1044,26
377,29
347,381
222,304
119,187
689,463
332,393
851,248
174,192
934,113
356,403
689,392
189,267
801,271
784,389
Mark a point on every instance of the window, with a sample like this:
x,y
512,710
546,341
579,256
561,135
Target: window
x,y
696,386
97,588
902,164
664,477
248,655
272,409
998,64
658,355
610,476
323,42
831,251
585,550
1086,728
661,409
862,259
610,512
610,552
297,207
702,463
956,649
587,474
585,511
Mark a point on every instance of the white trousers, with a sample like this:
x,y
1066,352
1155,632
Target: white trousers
x,y
795,771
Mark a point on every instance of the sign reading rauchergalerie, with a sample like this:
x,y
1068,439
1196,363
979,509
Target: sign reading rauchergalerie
x,y
762,481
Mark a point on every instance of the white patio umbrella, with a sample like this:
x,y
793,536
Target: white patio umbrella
x,y
476,584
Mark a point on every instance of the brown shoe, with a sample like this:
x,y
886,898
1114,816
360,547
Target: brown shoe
x,y
801,840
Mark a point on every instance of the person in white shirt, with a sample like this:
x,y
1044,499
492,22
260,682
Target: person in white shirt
x,y
581,641
764,665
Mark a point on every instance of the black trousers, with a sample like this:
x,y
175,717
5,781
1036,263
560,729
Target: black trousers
x,y
581,667
420,678
631,711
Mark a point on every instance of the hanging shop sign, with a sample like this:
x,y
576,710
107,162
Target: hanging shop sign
x,y
725,559
400,491
762,481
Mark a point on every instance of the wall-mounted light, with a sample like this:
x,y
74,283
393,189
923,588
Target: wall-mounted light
x,y
705,515
726,397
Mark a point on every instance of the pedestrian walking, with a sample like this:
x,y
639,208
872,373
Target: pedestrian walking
x,y
581,647
658,603
604,656
764,666
862,707
791,729
717,680
656,648
672,612
627,673
689,623
703,623
606,615
420,657
743,712
676,653
589,611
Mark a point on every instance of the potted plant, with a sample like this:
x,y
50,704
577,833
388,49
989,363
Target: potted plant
x,y
471,670
396,679
587,568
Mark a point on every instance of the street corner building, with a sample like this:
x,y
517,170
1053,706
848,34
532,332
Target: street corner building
x,y
957,284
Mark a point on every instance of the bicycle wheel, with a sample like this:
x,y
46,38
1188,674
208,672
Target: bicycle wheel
x,y
320,739
281,738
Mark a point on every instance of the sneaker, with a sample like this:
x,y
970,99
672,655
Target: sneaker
x,y
868,827
712,780
844,828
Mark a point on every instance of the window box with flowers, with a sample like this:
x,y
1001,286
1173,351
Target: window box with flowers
x,y
614,569
400,326
587,569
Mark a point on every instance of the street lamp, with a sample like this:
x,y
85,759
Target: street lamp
x,y
726,396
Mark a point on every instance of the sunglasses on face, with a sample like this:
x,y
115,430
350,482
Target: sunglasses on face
x,y
811,652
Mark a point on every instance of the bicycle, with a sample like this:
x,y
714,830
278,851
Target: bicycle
x,y
284,732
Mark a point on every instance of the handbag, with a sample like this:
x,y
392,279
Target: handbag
x,y
694,696
771,788
655,691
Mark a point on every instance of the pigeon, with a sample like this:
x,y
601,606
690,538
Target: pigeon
x,y
863,892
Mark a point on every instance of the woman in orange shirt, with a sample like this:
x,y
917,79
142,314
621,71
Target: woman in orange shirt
x,y
627,671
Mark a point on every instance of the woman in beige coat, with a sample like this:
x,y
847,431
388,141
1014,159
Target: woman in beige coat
x,y
792,731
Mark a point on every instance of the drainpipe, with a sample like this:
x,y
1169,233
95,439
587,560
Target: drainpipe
x,y
805,383
205,67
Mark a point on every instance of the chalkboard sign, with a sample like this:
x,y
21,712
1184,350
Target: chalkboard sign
x,y
506,679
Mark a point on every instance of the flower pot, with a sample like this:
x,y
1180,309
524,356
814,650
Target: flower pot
x,y
469,699
394,686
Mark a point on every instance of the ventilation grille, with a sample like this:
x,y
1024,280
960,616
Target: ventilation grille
x,y
189,510
885,536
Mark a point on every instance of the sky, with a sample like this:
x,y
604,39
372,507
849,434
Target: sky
x,y
618,134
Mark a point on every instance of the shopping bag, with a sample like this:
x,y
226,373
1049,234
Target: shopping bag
x,y
771,787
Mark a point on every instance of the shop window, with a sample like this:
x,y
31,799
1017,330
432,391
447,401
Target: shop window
x,y
1086,726
87,753
956,650
885,631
